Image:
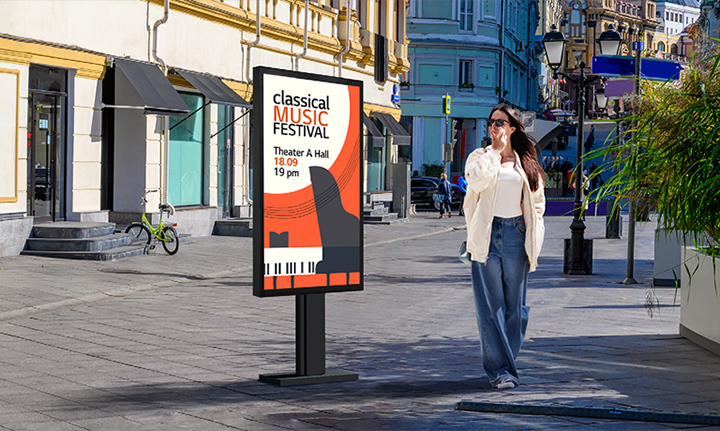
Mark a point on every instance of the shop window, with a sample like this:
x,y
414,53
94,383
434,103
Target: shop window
x,y
186,156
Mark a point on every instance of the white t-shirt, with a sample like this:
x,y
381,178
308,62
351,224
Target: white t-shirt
x,y
509,193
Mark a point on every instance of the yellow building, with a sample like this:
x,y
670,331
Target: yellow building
x,y
103,100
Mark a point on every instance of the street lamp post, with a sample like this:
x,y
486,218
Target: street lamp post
x,y
612,229
554,43
630,269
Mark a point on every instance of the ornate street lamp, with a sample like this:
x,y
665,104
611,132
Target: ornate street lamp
x,y
610,41
554,43
601,99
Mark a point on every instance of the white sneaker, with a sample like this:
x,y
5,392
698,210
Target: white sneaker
x,y
506,383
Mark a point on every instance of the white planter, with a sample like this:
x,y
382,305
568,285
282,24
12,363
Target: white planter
x,y
668,250
700,303
668,244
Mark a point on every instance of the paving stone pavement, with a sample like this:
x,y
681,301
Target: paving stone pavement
x,y
177,342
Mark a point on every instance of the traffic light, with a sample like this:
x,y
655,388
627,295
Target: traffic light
x,y
454,130
448,152
446,104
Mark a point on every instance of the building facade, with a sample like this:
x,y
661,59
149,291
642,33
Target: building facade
x,y
707,30
478,52
584,21
672,40
551,13
102,101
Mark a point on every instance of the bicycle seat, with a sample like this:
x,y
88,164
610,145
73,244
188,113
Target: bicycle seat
x,y
164,207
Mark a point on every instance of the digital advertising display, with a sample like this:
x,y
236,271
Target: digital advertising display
x,y
307,191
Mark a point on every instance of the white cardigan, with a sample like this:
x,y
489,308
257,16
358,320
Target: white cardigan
x,y
481,172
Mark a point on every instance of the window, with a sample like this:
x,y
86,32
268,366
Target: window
x,y
578,58
576,27
421,182
361,11
465,76
465,14
381,20
400,23
513,16
186,153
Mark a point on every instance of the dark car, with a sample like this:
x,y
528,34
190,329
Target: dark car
x,y
423,188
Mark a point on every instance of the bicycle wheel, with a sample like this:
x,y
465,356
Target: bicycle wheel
x,y
140,233
171,241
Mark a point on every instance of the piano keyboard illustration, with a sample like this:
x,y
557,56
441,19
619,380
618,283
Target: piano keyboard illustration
x,y
281,261
294,267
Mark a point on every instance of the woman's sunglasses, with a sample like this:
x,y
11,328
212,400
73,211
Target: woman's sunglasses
x,y
499,122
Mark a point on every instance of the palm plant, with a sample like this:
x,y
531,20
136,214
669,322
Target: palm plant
x,y
671,157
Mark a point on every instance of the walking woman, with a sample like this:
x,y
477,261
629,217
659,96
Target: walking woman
x,y
504,209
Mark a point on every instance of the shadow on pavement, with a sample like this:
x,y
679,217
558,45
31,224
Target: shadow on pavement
x,y
600,371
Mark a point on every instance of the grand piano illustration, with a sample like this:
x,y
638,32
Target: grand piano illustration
x,y
337,262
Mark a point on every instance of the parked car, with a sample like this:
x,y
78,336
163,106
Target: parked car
x,y
422,190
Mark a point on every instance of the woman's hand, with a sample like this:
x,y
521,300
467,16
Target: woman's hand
x,y
500,140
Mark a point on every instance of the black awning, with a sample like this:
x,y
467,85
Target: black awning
x,y
214,89
399,134
377,138
156,92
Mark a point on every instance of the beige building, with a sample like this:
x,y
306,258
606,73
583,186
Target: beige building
x,y
103,100
584,21
635,20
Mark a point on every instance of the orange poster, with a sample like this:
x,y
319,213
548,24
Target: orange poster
x,y
307,183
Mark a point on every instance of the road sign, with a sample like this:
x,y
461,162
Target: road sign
x,y
528,119
619,87
613,65
395,98
446,105
638,46
659,70
650,68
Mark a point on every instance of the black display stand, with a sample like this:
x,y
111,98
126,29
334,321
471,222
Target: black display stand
x,y
310,347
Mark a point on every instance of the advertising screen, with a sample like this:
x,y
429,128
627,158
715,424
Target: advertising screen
x,y
307,167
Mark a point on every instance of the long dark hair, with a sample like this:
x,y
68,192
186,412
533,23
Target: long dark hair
x,y
524,145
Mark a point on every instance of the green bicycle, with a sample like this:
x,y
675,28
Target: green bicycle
x,y
144,232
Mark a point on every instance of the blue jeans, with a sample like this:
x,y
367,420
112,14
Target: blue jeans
x,y
445,204
500,286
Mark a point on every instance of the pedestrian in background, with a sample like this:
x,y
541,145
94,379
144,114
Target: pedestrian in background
x,y
462,185
590,141
504,210
594,178
445,192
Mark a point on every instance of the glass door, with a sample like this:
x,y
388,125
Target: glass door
x,y
225,160
45,158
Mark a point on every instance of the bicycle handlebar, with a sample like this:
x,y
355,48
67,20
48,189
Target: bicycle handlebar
x,y
170,209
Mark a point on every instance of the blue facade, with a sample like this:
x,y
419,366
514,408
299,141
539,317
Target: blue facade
x,y
479,52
